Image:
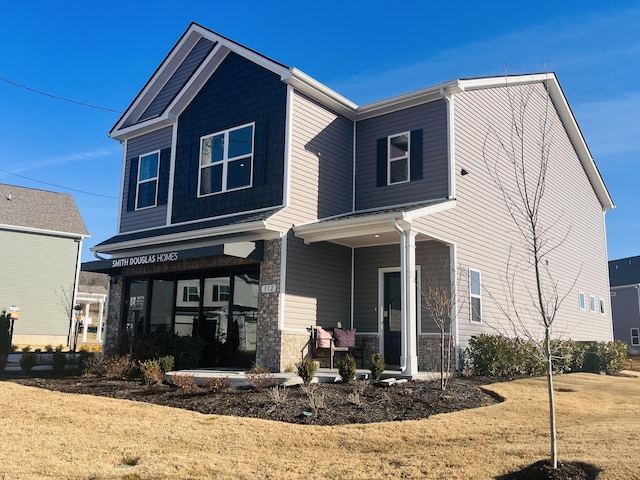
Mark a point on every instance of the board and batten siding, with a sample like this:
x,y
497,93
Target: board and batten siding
x,y
44,268
487,238
368,261
321,164
431,118
318,284
149,217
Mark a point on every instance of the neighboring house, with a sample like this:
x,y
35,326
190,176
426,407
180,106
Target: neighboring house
x,y
90,306
256,202
624,277
41,236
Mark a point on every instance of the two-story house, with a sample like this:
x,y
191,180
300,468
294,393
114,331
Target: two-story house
x,y
257,202
624,278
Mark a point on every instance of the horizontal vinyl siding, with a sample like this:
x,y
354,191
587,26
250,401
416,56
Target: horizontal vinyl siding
x,y
367,262
486,235
42,271
318,284
432,119
150,217
625,308
321,156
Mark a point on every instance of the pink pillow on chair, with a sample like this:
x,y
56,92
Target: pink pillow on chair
x,y
345,338
324,338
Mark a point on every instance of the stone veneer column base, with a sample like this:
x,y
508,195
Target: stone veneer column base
x,y
429,353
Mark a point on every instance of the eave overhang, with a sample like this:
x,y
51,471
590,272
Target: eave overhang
x,y
359,229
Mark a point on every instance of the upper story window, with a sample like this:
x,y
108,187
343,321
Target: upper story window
x,y
398,158
592,303
475,293
226,160
147,182
582,301
602,307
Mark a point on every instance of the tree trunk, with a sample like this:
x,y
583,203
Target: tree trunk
x,y
442,382
552,403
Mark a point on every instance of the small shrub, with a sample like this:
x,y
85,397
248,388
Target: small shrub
x,y
306,369
59,360
377,365
217,384
28,360
5,339
166,363
118,367
186,383
93,367
96,348
152,373
315,396
3,361
278,394
260,377
48,348
347,368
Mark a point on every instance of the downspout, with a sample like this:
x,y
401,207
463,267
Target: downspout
x,y
75,290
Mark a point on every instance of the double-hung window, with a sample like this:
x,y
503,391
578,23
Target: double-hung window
x,y
635,337
147,181
398,158
592,303
226,160
475,293
582,301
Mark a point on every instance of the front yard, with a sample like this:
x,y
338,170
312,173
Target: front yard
x,y
56,435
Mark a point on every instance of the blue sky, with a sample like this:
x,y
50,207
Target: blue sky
x,y
102,53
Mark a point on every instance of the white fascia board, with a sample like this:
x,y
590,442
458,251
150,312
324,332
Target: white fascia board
x,y
316,90
42,231
631,285
430,209
225,230
408,100
137,129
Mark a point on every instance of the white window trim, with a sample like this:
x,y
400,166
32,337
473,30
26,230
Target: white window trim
x,y
407,156
226,160
156,178
478,296
636,336
592,303
582,301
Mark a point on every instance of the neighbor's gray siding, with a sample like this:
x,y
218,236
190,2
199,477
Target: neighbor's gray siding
x,y
318,284
432,119
487,239
150,217
367,262
39,278
321,164
625,309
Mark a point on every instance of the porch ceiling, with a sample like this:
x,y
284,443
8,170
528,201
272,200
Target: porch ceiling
x,y
364,229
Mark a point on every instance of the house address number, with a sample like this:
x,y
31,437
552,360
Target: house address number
x,y
269,288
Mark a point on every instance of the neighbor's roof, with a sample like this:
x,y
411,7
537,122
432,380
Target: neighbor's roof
x,y
624,271
42,211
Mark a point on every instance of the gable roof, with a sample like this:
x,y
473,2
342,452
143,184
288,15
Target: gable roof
x,y
624,271
200,51
30,209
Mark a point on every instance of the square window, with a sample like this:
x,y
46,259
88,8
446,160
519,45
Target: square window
x,y
226,160
635,337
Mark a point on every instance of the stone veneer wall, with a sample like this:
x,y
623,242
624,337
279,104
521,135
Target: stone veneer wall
x,y
269,342
370,344
429,353
295,347
113,325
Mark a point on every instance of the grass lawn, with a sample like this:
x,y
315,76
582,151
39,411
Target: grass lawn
x,y
54,435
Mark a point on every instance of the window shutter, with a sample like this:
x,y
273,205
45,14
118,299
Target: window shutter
x,y
381,176
260,153
133,183
415,155
163,180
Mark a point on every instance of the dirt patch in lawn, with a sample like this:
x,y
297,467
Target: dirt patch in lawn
x,y
319,404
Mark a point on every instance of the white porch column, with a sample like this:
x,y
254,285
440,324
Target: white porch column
x,y
100,320
409,307
85,322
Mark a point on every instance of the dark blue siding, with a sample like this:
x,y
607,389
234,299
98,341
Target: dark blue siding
x,y
238,92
